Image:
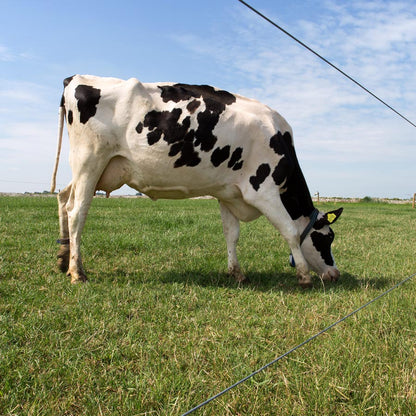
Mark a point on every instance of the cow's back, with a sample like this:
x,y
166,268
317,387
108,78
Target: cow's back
x,y
170,140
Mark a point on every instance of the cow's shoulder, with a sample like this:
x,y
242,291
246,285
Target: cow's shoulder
x,y
106,85
88,93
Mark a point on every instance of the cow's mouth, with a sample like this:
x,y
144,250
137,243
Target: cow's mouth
x,y
331,275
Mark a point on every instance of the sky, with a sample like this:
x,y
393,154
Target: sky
x,y
348,144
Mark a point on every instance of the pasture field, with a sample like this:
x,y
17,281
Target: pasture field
x,y
160,327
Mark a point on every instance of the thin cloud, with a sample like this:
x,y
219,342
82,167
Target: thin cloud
x,y
333,119
7,55
346,141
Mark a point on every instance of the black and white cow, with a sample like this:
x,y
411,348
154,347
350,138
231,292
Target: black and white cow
x,y
180,141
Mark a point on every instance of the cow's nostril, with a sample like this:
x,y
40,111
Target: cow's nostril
x,y
331,275
334,275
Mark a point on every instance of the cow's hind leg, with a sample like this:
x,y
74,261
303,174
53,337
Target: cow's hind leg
x,y
63,254
231,228
77,206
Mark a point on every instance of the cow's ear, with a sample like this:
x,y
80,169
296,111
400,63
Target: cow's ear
x,y
328,219
332,216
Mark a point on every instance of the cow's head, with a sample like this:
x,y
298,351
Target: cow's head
x,y
316,245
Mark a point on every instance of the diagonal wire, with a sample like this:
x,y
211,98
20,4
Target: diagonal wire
x,y
356,310
326,61
298,346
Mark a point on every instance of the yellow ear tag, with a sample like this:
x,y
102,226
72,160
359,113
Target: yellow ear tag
x,y
331,217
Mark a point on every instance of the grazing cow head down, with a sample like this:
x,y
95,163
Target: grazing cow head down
x,y
316,243
170,140
316,236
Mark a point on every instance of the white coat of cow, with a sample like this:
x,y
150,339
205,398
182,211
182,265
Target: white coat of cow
x,y
180,141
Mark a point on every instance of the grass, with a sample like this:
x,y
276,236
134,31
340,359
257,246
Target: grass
x,y
160,327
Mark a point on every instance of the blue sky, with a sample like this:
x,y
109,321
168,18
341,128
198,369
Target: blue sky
x,y
348,144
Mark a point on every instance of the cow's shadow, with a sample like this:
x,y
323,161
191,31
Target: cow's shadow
x,y
269,281
266,280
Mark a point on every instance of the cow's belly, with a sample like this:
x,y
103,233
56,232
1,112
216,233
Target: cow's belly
x,y
121,171
155,178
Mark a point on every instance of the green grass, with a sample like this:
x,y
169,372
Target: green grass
x,y
160,327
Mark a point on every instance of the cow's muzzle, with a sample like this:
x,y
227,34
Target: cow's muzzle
x,y
331,275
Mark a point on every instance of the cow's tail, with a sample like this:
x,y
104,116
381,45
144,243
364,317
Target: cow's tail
x,y
58,150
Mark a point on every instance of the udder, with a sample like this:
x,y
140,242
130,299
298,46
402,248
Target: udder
x,y
242,210
116,174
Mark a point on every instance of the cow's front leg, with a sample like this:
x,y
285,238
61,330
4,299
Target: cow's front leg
x,y
292,237
231,228
63,254
302,270
77,207
268,202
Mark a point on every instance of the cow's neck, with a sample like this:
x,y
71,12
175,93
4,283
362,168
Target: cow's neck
x,y
297,198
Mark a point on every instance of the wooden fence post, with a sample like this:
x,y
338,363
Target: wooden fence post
x,y
414,201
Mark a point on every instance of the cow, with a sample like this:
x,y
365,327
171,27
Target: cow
x,y
174,141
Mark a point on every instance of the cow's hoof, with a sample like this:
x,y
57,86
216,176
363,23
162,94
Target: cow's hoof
x,y
63,260
244,281
238,275
305,282
63,264
78,278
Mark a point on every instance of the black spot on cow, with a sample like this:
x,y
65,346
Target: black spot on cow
x,y
296,196
235,161
181,144
177,92
166,124
88,98
182,139
70,117
215,100
189,157
263,171
238,165
215,103
220,155
322,243
293,205
139,128
282,171
68,80
280,143
203,135
193,105
62,104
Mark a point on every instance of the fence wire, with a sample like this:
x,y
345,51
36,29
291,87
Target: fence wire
x,y
297,347
326,61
